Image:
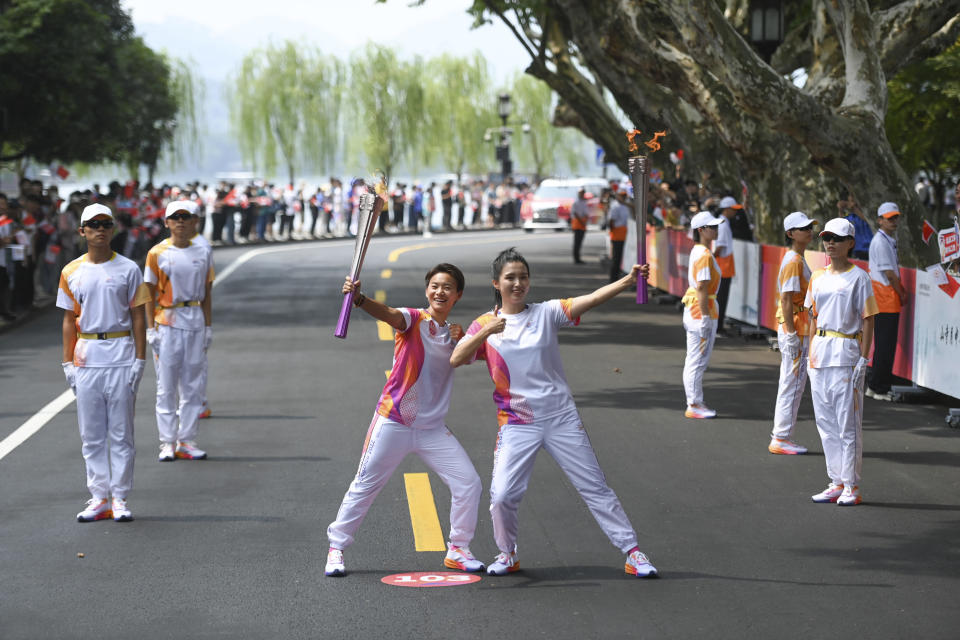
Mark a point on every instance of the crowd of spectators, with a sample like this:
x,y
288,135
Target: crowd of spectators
x,y
38,227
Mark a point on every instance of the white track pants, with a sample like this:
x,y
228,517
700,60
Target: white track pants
x,y
179,373
388,443
698,356
105,405
793,379
839,410
566,441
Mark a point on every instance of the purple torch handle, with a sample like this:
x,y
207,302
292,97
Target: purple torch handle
x,y
639,177
344,320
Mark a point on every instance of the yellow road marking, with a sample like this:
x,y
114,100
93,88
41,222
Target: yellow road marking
x,y
384,331
427,535
386,273
394,255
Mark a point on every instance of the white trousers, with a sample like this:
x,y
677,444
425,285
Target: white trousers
x,y
565,439
839,411
388,443
105,404
793,379
180,367
698,356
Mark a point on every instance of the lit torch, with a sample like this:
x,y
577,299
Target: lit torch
x,y
371,203
639,167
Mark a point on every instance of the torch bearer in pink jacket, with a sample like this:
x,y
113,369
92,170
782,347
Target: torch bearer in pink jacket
x,y
369,212
639,168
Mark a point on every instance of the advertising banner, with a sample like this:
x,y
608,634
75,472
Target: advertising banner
x,y
936,337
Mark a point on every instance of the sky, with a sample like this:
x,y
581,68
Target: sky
x,y
214,35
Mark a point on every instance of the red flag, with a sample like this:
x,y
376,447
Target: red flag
x,y
680,153
62,172
951,287
928,231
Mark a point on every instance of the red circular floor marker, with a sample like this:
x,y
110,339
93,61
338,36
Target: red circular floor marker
x,y
430,579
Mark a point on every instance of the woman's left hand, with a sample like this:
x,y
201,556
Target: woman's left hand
x,y
456,332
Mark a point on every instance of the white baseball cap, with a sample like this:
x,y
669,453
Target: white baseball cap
x,y
705,219
888,210
839,227
94,210
797,220
181,205
730,203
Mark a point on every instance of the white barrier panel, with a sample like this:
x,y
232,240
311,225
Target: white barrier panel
x,y
936,337
745,287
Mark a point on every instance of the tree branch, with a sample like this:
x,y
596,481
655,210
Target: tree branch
x,y
914,30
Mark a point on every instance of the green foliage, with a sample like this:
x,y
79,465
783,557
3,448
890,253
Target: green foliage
x,y
389,102
460,107
77,85
285,108
923,112
58,89
542,144
147,116
922,117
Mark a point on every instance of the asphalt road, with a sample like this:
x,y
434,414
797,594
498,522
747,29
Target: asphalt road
x,y
234,546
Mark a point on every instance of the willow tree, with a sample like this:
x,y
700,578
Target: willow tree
x,y
285,104
158,117
388,101
540,144
689,67
459,107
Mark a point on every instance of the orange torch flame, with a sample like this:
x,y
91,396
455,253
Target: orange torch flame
x,y
633,133
652,144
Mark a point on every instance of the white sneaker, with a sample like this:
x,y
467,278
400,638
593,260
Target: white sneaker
x,y
886,397
503,564
639,565
166,452
830,494
189,451
699,411
786,447
335,566
461,558
121,512
849,497
97,509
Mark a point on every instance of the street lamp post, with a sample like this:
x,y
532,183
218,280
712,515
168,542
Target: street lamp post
x,y
503,145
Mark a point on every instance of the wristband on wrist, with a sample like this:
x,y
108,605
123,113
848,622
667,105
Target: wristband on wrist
x,y
359,299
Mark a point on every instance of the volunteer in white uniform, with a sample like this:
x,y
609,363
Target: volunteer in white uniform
x,y
203,242
700,312
840,299
102,295
793,333
536,409
410,419
179,273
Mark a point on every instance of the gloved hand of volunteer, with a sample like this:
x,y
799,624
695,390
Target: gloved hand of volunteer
x,y
207,337
70,373
791,345
153,339
135,375
706,328
860,373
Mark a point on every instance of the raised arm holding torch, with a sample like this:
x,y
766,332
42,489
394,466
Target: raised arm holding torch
x,y
370,205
